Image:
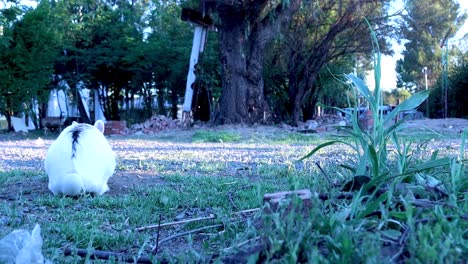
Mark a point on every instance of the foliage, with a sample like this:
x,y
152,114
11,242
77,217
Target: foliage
x,y
322,37
135,53
27,60
424,27
370,144
395,96
381,192
457,93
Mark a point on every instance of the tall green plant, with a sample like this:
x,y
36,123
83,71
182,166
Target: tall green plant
x,y
370,145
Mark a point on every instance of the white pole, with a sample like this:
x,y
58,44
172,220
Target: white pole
x,y
427,100
197,44
98,113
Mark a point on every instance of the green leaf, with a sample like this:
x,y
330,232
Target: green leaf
x,y
373,206
409,104
373,160
319,147
348,167
400,216
433,164
362,88
395,126
391,233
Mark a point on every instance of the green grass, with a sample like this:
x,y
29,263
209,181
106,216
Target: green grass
x,y
367,228
215,136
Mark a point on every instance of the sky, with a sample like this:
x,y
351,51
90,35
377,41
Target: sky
x,y
388,78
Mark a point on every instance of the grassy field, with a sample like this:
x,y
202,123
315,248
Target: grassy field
x,y
185,197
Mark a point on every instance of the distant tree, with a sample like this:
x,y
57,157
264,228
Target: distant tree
x,y
395,96
27,60
457,90
170,41
424,26
324,34
102,36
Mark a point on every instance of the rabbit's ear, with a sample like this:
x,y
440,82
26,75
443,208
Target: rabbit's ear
x,y
99,125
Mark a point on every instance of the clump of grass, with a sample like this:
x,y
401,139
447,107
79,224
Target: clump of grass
x,y
215,136
389,216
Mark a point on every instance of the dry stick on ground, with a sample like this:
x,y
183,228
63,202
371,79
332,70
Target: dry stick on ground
x,y
324,173
211,216
157,236
186,233
106,255
231,200
242,243
243,212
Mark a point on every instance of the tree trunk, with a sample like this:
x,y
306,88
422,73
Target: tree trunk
x,y
8,119
161,100
243,34
174,99
242,98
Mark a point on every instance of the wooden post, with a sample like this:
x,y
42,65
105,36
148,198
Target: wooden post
x,y
202,23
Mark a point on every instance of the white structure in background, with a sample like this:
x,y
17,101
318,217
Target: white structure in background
x,y
19,124
58,104
98,113
199,37
202,22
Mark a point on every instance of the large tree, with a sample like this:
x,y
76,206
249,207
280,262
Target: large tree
x,y
245,27
424,27
310,35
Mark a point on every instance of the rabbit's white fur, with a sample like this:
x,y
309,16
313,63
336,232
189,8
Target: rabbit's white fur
x,y
80,160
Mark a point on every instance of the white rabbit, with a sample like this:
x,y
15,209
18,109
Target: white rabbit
x,y
80,160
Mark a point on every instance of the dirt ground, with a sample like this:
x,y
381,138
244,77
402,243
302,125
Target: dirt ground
x,y
442,126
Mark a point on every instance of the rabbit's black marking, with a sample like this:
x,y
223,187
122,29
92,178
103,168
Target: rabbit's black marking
x,y
75,133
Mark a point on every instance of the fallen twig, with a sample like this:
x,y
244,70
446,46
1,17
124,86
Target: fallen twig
x,y
186,233
157,236
106,255
211,216
243,212
242,243
324,173
424,203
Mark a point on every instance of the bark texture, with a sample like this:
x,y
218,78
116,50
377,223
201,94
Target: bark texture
x,y
245,28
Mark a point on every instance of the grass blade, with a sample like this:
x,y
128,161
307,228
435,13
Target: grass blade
x,y
321,146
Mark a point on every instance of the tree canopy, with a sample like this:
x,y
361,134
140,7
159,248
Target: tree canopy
x,y
424,27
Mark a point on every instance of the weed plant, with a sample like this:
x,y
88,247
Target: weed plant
x,y
407,207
